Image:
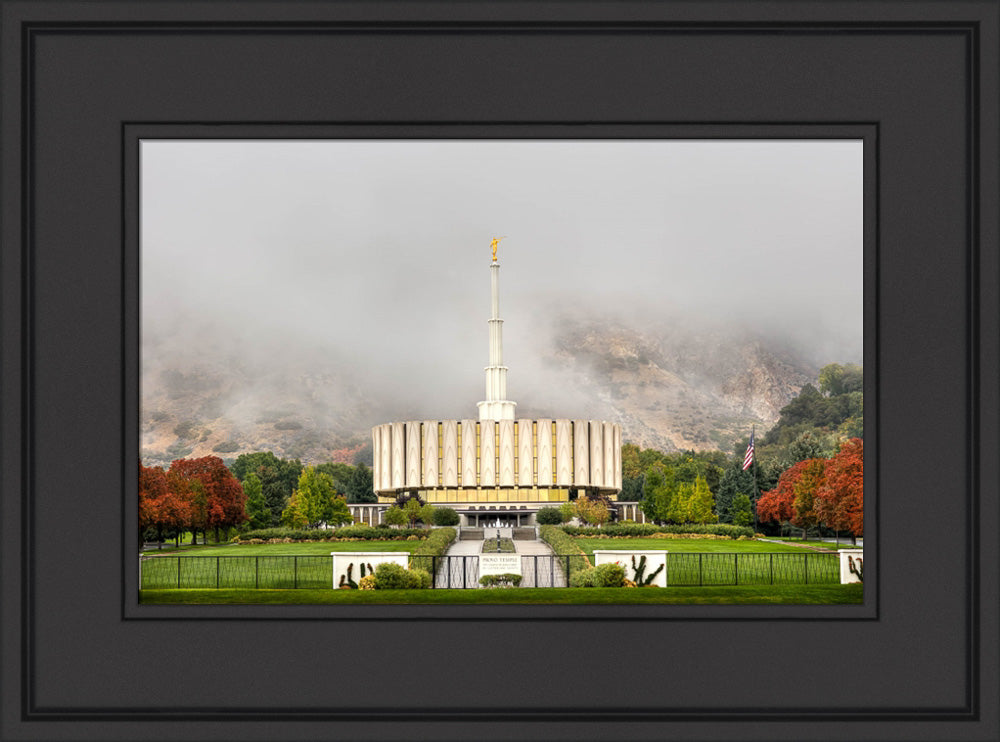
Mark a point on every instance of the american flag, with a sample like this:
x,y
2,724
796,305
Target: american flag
x,y
748,457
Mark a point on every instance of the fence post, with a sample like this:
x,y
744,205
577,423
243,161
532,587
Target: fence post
x,y
295,569
178,572
736,567
770,568
535,560
465,577
567,569
256,573
700,576
216,573
806,555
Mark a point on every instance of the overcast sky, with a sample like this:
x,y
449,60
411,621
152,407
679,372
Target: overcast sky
x,y
382,247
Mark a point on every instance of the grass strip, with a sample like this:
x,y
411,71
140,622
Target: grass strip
x,y
743,595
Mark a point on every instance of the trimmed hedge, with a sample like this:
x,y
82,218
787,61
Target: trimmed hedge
x,y
548,516
562,545
361,532
436,544
640,530
508,579
606,575
391,576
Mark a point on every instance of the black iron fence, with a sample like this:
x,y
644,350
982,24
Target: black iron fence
x,y
456,572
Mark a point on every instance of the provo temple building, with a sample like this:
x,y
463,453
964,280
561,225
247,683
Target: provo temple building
x,y
496,470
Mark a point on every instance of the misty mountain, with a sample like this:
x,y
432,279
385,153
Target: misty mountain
x,y
670,386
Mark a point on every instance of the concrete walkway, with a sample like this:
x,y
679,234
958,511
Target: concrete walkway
x,y
465,565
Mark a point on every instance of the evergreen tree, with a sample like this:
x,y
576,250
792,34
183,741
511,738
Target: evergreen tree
x,y
359,488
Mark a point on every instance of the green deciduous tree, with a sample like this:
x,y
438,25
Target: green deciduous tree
x,y
293,516
700,503
316,492
741,511
394,516
257,509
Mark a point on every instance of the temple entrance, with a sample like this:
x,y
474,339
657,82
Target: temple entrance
x,y
498,518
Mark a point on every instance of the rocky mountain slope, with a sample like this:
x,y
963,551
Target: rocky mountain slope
x,y
671,388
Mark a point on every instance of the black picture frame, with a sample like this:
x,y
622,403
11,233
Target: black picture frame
x,y
81,660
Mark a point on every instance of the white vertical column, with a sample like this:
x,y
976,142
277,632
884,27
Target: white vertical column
x,y
581,453
398,461
564,453
377,457
469,453
430,434
525,453
506,453
449,458
413,454
596,453
487,453
544,434
609,455
386,457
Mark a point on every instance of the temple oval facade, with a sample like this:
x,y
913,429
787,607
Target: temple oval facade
x,y
497,469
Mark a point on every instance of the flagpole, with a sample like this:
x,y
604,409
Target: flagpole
x,y
756,490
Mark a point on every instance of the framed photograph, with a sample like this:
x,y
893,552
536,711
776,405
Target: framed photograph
x,y
200,121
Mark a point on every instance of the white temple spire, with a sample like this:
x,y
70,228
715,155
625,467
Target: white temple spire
x,y
496,406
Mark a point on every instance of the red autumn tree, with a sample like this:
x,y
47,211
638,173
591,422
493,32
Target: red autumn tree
x,y
791,500
161,506
840,500
224,500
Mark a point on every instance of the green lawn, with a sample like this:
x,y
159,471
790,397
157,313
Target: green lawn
x,y
298,548
253,566
683,544
730,562
743,595
846,544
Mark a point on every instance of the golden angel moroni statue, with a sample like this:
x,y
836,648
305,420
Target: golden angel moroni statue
x,y
495,244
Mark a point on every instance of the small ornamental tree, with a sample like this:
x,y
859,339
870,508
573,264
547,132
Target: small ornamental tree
x,y
394,516
412,510
567,511
840,499
592,511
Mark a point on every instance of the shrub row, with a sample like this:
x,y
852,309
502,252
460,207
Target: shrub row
x,y
562,544
436,544
508,579
605,575
362,532
390,576
624,530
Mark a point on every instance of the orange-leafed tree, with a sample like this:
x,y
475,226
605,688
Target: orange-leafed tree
x,y
791,500
840,501
808,480
161,506
225,501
